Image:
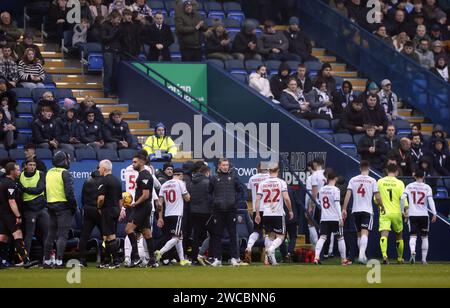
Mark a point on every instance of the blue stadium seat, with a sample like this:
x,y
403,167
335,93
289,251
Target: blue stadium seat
x,y
313,67
23,95
351,151
24,108
3,154
252,65
321,126
170,21
273,66
344,141
441,193
44,154
210,21
63,93
293,65
240,16
126,154
216,62
242,77
85,154
170,6
232,34
23,123
107,154
327,137
156,5
67,37
335,124
235,66
213,6
18,154
48,82
305,122
357,137
93,54
402,126
232,23
23,139
232,7
175,51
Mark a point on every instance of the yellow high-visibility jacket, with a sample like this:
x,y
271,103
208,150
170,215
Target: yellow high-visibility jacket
x,y
162,143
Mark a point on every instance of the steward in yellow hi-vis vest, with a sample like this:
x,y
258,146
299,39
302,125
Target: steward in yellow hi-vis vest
x,y
160,147
62,206
32,188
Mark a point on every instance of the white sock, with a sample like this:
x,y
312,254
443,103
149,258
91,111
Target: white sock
x,y
127,248
319,246
275,244
142,248
342,248
252,240
363,246
169,245
205,246
359,242
313,236
331,248
412,244
425,246
267,243
180,251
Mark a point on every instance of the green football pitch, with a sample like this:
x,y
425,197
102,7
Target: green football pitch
x,y
255,276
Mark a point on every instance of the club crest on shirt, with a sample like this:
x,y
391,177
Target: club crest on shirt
x,y
11,191
145,182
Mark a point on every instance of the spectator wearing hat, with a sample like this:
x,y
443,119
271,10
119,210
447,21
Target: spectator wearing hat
x,y
160,147
441,68
91,133
245,44
441,159
89,104
218,44
426,57
67,131
31,71
436,33
388,100
279,82
118,132
438,133
189,25
342,98
326,73
375,114
438,50
159,38
8,67
371,88
409,51
10,28
274,45
299,44
166,174
28,42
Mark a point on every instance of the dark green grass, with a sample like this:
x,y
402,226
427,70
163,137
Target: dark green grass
x,y
255,276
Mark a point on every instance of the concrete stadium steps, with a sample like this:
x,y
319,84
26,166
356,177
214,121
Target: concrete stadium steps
x,y
110,108
79,85
68,78
84,93
405,112
139,124
328,59
346,75
106,101
318,52
64,70
50,62
126,116
52,55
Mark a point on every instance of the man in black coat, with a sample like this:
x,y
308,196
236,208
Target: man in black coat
x,y
372,148
91,133
224,188
299,44
118,133
352,120
130,35
158,37
375,114
110,35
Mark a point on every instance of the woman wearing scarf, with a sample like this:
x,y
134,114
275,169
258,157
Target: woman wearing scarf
x,y
441,68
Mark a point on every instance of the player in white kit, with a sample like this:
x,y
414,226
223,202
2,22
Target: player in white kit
x,y
272,195
331,218
173,194
253,185
313,236
131,176
420,197
363,188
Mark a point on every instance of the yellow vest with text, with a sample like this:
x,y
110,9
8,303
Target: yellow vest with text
x,y
55,186
31,182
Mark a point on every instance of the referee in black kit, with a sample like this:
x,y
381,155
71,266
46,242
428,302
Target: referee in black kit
x,y
109,205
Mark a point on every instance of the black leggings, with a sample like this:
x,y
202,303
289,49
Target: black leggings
x,y
200,231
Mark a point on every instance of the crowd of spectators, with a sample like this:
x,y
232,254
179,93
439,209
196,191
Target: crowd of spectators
x,y
419,29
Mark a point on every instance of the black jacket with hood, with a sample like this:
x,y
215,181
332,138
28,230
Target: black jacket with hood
x,y
66,129
90,132
81,113
43,130
198,188
61,160
90,192
279,82
38,203
117,132
376,116
244,37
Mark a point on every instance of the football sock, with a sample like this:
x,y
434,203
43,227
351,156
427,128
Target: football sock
x,y
342,248
425,246
331,248
400,249
180,252
412,244
319,247
20,249
275,244
313,236
384,246
169,245
134,246
363,246
252,240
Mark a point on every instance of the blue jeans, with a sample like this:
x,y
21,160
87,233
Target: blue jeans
x,y
110,67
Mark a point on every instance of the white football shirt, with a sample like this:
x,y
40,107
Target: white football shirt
x,y
363,188
272,200
172,192
330,203
420,197
253,185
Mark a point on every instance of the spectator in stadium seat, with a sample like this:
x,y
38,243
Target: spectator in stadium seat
x,y
189,25
416,128
320,100
143,10
245,44
439,51
118,132
9,26
31,72
342,98
130,35
404,158
80,32
95,31
418,149
388,100
432,10
160,146
260,83
30,153
273,45
166,173
91,133
118,5
353,118
357,12
374,114
409,51
7,95
159,38
48,100
399,41
391,160
441,159
391,140
426,164
7,132
426,57
279,82
372,148
9,109
88,104
98,9
303,80
339,6
399,24
44,131
8,67
421,34
111,53
57,16
67,130
218,44
85,11
440,68
381,33
28,42
438,133
299,44
326,73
